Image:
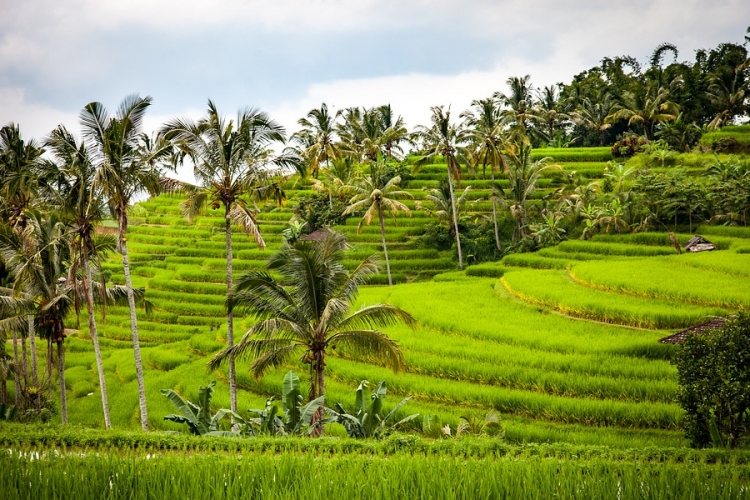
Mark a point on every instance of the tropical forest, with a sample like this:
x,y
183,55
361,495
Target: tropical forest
x,y
545,295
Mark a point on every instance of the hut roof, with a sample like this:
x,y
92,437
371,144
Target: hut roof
x,y
679,337
699,244
318,235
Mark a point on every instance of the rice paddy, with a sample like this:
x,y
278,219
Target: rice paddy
x,y
563,343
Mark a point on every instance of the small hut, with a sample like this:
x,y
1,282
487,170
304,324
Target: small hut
x,y
679,337
699,244
318,235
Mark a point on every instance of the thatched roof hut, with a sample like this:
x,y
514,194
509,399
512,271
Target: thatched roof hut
x,y
679,337
699,244
318,235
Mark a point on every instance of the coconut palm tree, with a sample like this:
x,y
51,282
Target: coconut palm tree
x,y
318,138
519,102
40,283
306,313
19,183
127,162
376,198
645,107
524,176
233,162
446,139
485,126
80,201
592,114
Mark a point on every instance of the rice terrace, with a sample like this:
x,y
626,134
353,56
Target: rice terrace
x,y
484,306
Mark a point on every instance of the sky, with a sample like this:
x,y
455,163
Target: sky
x,y
287,57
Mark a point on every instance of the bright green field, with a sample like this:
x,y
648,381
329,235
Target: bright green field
x,y
564,345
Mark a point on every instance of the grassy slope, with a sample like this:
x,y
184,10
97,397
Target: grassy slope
x,y
481,343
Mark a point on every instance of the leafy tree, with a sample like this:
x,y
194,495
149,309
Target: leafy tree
x,y
713,371
306,312
232,161
127,162
376,198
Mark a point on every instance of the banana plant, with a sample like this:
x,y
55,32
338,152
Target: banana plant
x,y
198,416
7,412
368,421
295,417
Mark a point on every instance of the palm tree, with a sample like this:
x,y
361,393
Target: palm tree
x,y
81,203
126,163
19,180
446,139
645,107
485,128
524,176
520,102
376,197
306,313
318,138
232,160
728,95
592,114
40,283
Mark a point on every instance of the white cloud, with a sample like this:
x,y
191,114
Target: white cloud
x,y
34,119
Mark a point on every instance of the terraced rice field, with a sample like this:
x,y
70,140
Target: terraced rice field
x,y
562,342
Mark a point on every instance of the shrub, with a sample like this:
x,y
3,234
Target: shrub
x,y
714,375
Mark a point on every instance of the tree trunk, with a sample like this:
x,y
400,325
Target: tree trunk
x,y
16,375
3,393
133,321
320,386
61,373
494,211
385,249
88,289
34,371
25,363
230,315
49,368
455,216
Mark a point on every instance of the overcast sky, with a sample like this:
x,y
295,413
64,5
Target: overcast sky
x,y
286,57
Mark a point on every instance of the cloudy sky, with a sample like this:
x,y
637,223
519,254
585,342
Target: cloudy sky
x,y
287,56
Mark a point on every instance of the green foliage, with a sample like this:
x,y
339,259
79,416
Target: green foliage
x,y
714,376
319,212
7,412
198,416
369,421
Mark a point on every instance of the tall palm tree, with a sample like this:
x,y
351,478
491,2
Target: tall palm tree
x,y
39,273
318,137
519,102
126,163
306,313
446,139
729,96
376,198
19,183
232,161
485,126
524,175
80,201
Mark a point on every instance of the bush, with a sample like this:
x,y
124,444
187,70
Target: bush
x,y
628,146
714,375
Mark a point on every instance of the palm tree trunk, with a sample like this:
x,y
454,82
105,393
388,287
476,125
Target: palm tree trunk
x,y
88,289
34,371
494,211
25,363
230,315
133,322
16,375
320,384
455,216
385,249
61,372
